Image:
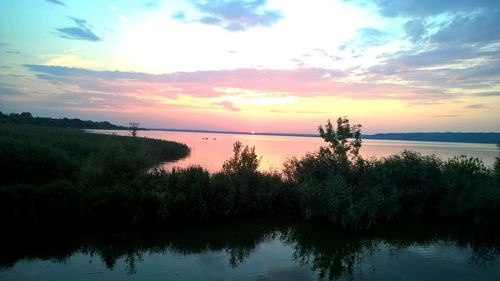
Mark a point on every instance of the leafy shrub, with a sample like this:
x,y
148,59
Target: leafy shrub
x,y
344,141
497,167
244,160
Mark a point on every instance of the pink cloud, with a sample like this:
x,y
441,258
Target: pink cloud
x,y
302,82
229,106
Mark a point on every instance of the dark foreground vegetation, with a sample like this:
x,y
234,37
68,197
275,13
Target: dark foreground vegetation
x,y
52,175
67,178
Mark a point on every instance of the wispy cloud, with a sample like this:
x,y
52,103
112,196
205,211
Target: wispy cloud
x,y
447,116
442,68
489,94
82,31
470,29
475,106
302,82
365,39
415,30
9,90
473,21
56,2
419,8
115,10
180,16
453,44
229,106
153,4
234,15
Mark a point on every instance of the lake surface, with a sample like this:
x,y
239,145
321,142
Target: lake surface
x,y
259,249
210,150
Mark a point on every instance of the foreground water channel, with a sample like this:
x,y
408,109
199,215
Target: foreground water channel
x,y
257,249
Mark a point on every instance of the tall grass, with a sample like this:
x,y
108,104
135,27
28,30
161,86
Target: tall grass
x,y
38,155
402,187
337,185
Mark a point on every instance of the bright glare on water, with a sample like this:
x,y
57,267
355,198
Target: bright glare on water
x,y
210,150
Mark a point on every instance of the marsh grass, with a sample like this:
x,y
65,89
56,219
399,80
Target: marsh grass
x,y
403,187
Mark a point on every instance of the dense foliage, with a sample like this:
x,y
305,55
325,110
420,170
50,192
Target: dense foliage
x,y
344,141
67,177
497,166
48,173
360,193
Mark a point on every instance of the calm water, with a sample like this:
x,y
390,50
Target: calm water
x,y
210,150
256,250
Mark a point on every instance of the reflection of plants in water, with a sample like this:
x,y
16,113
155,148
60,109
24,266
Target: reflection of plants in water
x,y
483,244
484,256
131,261
332,264
484,253
333,254
237,239
336,254
238,255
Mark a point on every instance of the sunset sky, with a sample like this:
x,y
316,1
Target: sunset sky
x,y
265,66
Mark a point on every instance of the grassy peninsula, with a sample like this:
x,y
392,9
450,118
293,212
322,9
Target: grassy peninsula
x,y
66,177
53,175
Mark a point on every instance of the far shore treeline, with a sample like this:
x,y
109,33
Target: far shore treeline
x,y
464,137
62,177
27,118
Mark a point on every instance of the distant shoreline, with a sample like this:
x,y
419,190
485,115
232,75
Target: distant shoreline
x,y
486,137
458,137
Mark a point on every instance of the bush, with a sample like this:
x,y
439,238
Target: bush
x,y
337,185
31,162
497,167
186,193
244,160
344,141
416,181
465,178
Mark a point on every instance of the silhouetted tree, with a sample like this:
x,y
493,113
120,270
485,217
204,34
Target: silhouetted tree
x,y
134,126
345,141
244,159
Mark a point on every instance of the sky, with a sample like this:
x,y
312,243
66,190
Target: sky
x,y
255,65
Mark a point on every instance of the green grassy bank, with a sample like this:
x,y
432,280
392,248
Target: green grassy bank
x,y
54,175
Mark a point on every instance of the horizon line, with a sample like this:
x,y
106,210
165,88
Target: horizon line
x,y
308,134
